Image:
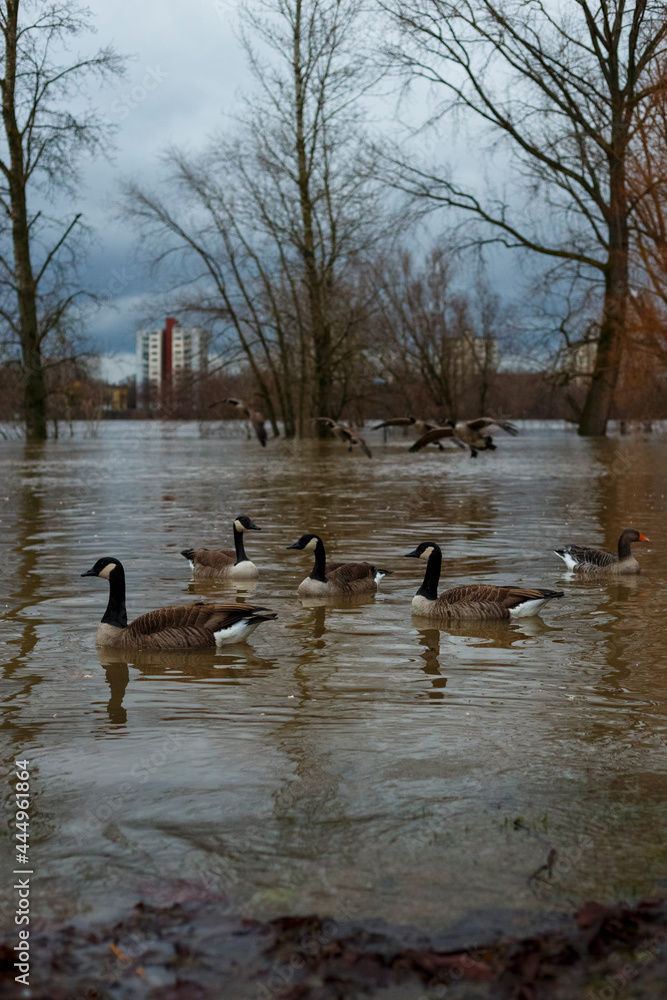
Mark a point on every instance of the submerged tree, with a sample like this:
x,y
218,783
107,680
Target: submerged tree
x,y
565,85
271,226
43,140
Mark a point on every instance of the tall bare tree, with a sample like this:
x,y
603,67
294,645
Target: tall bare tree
x,y
43,139
270,225
565,85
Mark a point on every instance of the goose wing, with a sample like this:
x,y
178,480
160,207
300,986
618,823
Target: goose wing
x,y
504,597
395,422
481,422
213,558
355,439
189,625
586,554
346,574
436,434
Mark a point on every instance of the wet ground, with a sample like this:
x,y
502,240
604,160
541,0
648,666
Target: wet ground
x,y
349,760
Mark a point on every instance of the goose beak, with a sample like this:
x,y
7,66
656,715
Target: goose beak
x,y
254,527
414,555
295,546
643,538
90,572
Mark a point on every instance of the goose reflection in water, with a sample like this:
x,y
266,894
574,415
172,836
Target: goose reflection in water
x,y
207,589
498,635
117,676
338,601
184,664
492,634
429,638
322,608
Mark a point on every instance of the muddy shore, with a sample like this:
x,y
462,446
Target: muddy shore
x,y
194,951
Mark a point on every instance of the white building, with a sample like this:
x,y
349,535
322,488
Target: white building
x,y
164,355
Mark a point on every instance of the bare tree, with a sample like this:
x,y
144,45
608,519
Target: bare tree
x,y
438,345
270,227
44,138
564,85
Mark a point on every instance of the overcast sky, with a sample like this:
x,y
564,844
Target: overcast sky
x,y
181,80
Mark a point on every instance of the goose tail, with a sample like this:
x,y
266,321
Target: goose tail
x,y
532,607
567,558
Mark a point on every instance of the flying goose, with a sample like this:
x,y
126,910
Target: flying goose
x,y
344,434
254,416
329,579
225,564
469,432
171,628
421,426
585,559
435,435
477,600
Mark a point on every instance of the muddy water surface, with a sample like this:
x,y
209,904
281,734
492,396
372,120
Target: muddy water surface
x,y
348,760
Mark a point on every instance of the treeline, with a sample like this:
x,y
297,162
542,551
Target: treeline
x,y
521,395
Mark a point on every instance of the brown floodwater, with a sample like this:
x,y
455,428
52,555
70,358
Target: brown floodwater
x,y
349,759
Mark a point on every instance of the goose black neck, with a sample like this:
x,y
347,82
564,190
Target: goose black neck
x,y
624,542
116,613
238,545
429,588
320,563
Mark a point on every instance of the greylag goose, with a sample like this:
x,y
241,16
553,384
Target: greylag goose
x,y
586,559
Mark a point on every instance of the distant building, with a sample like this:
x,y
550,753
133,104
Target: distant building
x,y
577,361
473,354
165,355
118,397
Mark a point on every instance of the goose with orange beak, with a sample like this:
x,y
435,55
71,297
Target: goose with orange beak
x,y
586,559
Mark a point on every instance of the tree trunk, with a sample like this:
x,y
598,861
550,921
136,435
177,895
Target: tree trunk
x,y
595,413
33,371
320,332
600,398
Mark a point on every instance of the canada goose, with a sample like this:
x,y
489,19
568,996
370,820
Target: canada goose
x,y
467,431
476,600
329,579
254,416
344,434
171,628
470,432
225,564
585,559
434,436
421,426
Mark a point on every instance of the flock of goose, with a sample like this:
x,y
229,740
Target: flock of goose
x,y
471,435
221,623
